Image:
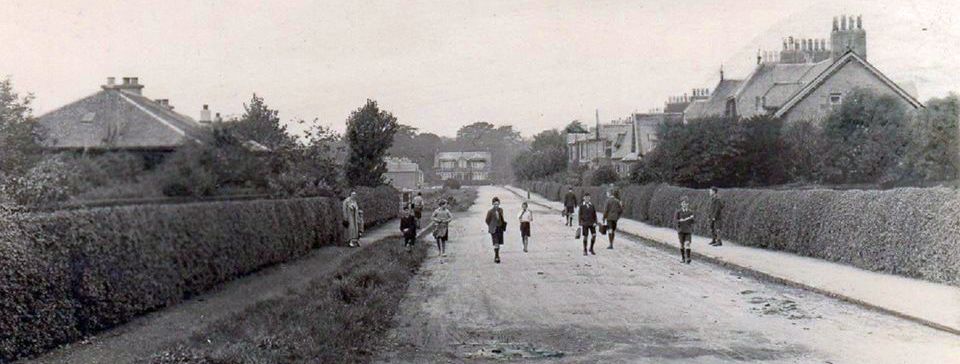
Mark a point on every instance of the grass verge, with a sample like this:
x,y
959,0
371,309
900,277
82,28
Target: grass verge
x,y
335,320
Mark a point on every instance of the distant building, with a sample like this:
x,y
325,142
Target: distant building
x,y
612,144
804,81
472,167
403,174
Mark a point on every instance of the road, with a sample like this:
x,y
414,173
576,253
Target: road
x,y
633,304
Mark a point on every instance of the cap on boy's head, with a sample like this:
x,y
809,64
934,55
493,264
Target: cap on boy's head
x,y
586,194
406,207
496,199
683,199
443,202
714,188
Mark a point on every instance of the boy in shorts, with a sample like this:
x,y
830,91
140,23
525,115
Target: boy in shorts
x,y
685,219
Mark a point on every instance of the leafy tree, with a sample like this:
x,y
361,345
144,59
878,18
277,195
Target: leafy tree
x,y
261,124
20,136
575,127
312,167
866,137
547,156
804,149
933,153
370,133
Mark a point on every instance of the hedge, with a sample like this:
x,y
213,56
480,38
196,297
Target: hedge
x,y
912,232
379,204
68,274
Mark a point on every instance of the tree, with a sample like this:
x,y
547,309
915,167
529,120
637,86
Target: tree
x,y
603,175
547,156
261,124
804,147
933,153
313,166
866,137
370,133
20,136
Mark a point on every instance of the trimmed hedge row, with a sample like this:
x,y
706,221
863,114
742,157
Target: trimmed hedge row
x,y
67,274
379,204
912,232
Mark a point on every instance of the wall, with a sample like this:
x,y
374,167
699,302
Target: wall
x,y
852,75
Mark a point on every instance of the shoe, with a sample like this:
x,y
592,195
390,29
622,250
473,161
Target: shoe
x,y
496,260
584,253
592,252
610,247
719,243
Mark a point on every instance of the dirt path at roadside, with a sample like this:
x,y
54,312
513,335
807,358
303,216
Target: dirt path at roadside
x,y
628,305
147,335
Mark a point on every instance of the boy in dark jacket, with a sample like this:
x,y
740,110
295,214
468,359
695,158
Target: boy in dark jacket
x,y
588,222
408,226
611,214
685,219
496,225
569,203
716,211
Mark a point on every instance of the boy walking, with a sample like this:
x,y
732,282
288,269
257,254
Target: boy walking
x,y
716,210
441,219
496,226
611,213
588,223
569,203
526,217
408,226
685,219
418,206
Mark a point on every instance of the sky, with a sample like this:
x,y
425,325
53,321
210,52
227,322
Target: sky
x,y
438,65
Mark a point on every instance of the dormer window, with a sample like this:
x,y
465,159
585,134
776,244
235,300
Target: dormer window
x,y
88,118
836,98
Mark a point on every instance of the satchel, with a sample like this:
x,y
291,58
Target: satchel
x,y
503,222
603,229
577,236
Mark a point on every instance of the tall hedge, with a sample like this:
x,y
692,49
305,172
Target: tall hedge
x,y
67,274
379,204
912,232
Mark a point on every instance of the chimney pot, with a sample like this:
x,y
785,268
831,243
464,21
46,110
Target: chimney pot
x,y
843,22
133,80
111,81
859,22
126,80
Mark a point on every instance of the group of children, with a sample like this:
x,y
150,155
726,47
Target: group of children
x,y
410,223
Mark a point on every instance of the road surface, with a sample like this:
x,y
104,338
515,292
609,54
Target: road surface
x,y
633,304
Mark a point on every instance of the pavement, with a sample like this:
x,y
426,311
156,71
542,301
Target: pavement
x,y
153,332
931,304
634,304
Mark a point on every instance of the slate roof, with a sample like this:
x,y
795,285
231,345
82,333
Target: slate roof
x,y
774,84
118,119
467,155
717,102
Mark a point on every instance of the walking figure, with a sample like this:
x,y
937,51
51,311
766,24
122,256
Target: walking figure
x,y
685,219
588,223
441,220
496,225
569,203
611,213
352,219
716,210
408,226
526,217
418,206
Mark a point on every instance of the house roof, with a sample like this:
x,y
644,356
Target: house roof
x,y
115,118
397,165
850,56
717,102
466,155
773,84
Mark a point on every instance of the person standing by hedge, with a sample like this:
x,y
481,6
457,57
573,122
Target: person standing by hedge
x,y
496,226
526,217
352,219
611,213
716,211
569,203
588,223
441,220
418,205
408,226
685,219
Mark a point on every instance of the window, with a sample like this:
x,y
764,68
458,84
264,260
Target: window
x,y
652,137
836,98
88,117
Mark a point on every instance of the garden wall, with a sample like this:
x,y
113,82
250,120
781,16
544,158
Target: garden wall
x,y
67,274
912,232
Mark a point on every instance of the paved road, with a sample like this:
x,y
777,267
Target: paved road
x,y
634,304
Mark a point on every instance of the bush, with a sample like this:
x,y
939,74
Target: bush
x,y
906,231
453,184
52,180
64,275
604,175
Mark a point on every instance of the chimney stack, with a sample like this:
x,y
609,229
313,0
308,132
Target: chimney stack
x,y
218,118
205,114
111,81
130,84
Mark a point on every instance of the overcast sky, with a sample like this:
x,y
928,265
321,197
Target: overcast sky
x,y
440,64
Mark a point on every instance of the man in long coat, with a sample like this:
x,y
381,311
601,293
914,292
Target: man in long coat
x,y
352,220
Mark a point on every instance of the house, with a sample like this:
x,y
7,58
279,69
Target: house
x,y
119,118
606,144
403,174
471,167
803,81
